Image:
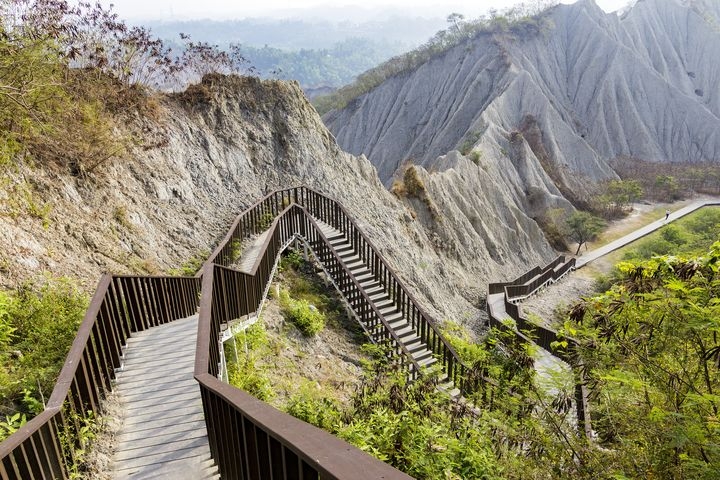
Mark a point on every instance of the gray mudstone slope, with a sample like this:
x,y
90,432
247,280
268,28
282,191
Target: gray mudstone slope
x,y
561,101
214,151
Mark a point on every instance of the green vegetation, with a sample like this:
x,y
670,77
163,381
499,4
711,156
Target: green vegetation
x,y
518,20
617,198
582,227
691,235
246,372
305,316
552,223
331,67
255,362
668,182
413,186
469,142
650,350
37,325
265,221
70,72
235,250
192,266
516,432
46,114
650,347
77,437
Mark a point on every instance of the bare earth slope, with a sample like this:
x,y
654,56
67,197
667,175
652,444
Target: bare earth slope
x,y
213,151
546,109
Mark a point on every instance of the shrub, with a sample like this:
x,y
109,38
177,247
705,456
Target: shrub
x,y
311,406
245,373
190,267
292,259
306,317
38,323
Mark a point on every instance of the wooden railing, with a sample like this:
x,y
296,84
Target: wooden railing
x,y
45,446
258,218
332,213
228,294
248,438
546,338
269,442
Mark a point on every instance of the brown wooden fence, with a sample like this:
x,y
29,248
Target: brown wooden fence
x,y
45,446
546,338
248,438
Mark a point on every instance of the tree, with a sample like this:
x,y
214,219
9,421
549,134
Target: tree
x,y
667,187
583,227
455,19
618,197
650,347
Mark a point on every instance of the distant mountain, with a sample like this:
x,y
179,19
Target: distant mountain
x,y
317,53
552,106
297,34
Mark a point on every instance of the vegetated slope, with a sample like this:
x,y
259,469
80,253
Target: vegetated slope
x,y
207,154
551,106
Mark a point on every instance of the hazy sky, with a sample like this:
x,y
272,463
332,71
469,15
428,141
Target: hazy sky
x,y
226,9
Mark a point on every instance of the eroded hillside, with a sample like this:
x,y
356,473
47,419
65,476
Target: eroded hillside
x,y
541,111
213,150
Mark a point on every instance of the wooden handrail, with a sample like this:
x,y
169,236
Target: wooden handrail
x,y
121,305
317,451
449,361
542,336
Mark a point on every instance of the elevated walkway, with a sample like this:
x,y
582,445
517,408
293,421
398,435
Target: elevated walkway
x,y
163,434
641,232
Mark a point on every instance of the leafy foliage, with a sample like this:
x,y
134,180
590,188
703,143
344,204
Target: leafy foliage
x,y
515,433
650,345
617,197
691,235
583,227
11,424
66,70
331,67
305,316
246,373
192,266
37,325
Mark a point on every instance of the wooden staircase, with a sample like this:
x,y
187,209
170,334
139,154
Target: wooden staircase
x,y
381,299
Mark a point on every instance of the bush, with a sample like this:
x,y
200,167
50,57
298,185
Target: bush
x,y
306,317
38,323
292,259
189,268
245,373
311,406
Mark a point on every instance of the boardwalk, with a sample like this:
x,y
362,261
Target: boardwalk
x,y
641,232
163,434
250,253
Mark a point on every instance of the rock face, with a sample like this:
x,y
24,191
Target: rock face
x,y
548,108
216,149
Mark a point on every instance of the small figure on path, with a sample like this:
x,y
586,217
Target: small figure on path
x,y
667,214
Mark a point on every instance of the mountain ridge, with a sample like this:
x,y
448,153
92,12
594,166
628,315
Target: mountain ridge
x,y
648,103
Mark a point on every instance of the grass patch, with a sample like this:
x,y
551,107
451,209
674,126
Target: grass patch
x,y
687,236
191,266
277,362
630,225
